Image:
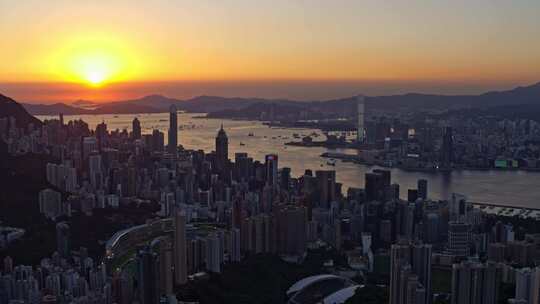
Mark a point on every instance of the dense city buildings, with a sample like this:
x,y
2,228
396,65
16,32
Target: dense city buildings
x,y
172,217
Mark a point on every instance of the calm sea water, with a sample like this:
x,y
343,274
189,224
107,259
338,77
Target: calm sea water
x,y
515,188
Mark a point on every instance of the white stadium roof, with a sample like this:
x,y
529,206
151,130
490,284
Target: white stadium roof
x,y
308,281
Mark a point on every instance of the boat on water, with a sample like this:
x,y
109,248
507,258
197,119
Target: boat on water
x,y
331,162
242,144
250,134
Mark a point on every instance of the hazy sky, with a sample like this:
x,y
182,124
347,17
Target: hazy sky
x,y
285,47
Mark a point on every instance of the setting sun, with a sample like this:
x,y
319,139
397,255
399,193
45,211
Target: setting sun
x,y
95,68
94,59
96,77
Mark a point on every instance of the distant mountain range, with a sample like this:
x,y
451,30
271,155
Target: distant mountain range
x,y
236,107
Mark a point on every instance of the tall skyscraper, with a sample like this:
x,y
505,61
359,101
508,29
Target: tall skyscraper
x,y
410,273
95,170
147,266
360,129
271,165
326,180
180,264
222,150
243,166
422,189
475,283
376,185
101,135
136,128
173,130
447,148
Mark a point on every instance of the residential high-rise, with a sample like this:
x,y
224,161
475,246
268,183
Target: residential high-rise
x,y
50,203
63,236
8,264
458,238
136,133
180,264
256,234
410,273
421,265
475,283
235,254
528,285
89,144
213,253
173,130
291,224
360,129
432,222
166,269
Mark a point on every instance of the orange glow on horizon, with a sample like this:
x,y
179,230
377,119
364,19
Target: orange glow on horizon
x,y
114,49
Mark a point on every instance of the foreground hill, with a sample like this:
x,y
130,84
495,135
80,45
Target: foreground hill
x,y
9,107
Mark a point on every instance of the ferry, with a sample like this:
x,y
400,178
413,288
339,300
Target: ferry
x,y
242,144
250,134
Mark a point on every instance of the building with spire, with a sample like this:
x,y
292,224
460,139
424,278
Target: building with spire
x,y
222,150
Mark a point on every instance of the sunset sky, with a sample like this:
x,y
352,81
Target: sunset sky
x,y
105,50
